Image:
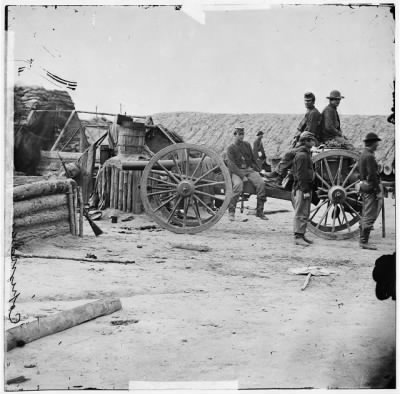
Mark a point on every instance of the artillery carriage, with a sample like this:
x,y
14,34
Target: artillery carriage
x,y
186,188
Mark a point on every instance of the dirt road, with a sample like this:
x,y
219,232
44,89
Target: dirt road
x,y
233,313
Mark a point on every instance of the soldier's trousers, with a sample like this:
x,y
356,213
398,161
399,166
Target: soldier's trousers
x,y
370,210
237,187
301,212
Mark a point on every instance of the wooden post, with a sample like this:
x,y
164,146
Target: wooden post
x,y
124,190
108,188
129,194
116,185
120,188
70,209
383,218
136,201
103,185
75,200
28,332
80,212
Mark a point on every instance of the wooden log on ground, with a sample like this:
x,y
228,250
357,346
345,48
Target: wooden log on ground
x,y
124,189
189,246
120,188
42,230
27,207
28,332
49,257
42,188
53,215
129,195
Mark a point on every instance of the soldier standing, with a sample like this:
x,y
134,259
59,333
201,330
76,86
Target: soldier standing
x,y
243,166
371,189
303,174
258,149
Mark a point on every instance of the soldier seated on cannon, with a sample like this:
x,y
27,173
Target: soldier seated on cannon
x,y
311,123
243,166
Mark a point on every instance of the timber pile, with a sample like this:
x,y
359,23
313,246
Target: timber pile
x,y
45,208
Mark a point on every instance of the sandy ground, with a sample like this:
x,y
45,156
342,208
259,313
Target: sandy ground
x,y
233,313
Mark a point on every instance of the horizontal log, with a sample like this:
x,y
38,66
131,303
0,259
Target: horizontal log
x,y
33,205
189,246
42,188
41,231
56,214
66,156
28,332
50,257
141,164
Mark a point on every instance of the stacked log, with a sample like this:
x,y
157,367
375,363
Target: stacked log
x,y
45,208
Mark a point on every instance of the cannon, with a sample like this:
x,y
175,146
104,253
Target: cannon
x,y
186,188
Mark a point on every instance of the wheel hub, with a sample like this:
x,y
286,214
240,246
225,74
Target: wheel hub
x,y
185,188
337,194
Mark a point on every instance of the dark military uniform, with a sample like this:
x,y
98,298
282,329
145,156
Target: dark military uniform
x,y
303,174
369,173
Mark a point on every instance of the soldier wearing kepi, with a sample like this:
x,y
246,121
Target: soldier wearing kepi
x,y
258,149
303,174
370,188
243,166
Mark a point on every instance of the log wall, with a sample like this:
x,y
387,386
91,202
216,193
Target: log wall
x,y
45,208
119,189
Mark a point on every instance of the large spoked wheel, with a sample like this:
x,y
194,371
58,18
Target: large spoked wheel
x,y
336,208
186,188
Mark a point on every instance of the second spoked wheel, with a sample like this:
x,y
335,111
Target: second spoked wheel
x,y
186,188
336,208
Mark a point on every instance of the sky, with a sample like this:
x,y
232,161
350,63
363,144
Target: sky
x,y
151,60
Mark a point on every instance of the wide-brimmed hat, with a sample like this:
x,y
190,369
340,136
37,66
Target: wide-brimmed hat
x,y
306,135
238,130
309,96
259,133
335,94
371,137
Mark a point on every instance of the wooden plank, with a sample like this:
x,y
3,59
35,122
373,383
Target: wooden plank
x,y
120,188
137,206
124,190
28,332
129,195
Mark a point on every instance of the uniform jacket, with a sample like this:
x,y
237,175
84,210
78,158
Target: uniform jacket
x,y
369,169
330,123
258,147
240,156
311,122
302,168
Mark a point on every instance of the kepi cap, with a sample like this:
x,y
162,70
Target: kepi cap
x,y
238,130
259,133
309,96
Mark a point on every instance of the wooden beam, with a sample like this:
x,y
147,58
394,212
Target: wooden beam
x,y
62,131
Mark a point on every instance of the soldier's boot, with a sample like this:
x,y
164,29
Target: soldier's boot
x,y
260,210
299,240
364,237
231,214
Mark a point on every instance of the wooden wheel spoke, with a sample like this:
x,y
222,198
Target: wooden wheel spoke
x,y
324,215
334,218
204,205
187,162
164,203
329,171
323,180
198,165
197,212
174,209
323,189
177,165
205,174
353,199
186,203
345,217
170,173
352,192
210,195
339,171
349,174
162,181
316,209
210,184
160,192
352,209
